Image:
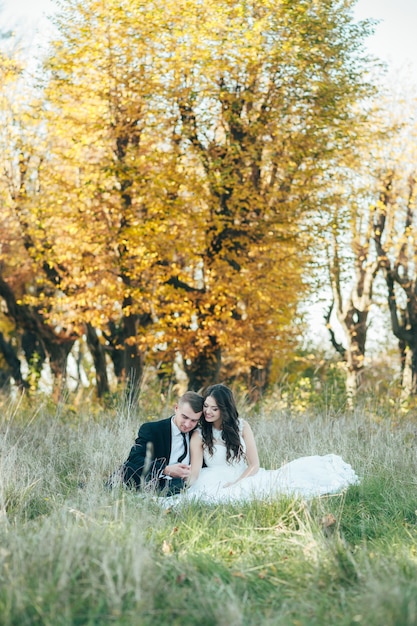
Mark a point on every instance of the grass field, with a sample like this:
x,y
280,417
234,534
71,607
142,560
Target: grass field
x,y
74,553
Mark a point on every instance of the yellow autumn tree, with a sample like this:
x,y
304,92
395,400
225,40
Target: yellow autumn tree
x,y
28,332
265,94
182,170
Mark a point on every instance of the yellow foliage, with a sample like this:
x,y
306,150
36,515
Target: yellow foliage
x,y
181,154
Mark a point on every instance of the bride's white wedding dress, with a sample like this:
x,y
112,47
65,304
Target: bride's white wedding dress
x,y
306,477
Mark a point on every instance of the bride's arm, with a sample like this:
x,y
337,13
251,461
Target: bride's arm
x,y
252,458
196,456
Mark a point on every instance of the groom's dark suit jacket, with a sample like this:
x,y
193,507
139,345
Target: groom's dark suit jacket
x,y
149,454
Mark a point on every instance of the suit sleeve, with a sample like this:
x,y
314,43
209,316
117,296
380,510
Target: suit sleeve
x,y
141,463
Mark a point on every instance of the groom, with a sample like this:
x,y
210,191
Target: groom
x,y
161,453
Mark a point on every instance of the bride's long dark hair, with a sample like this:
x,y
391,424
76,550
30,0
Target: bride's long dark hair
x,y
230,422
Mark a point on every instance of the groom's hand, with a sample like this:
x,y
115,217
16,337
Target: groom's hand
x,y
178,470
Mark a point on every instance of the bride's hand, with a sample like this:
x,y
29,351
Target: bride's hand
x,y
227,485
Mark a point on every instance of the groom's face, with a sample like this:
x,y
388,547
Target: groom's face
x,y
185,418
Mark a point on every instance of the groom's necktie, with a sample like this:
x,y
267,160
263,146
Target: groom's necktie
x,y
184,454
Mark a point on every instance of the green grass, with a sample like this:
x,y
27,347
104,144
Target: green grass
x,y
74,553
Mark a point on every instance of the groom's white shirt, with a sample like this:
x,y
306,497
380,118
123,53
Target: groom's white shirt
x,y
177,445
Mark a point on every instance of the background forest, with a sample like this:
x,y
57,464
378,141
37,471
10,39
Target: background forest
x,y
181,181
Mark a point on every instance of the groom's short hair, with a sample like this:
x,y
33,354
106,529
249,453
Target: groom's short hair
x,y
193,399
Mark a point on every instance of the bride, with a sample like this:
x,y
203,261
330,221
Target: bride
x,y
227,445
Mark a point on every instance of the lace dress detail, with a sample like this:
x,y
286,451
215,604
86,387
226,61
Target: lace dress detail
x,y
218,458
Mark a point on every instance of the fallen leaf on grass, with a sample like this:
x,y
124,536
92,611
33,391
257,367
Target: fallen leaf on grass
x,y
328,523
180,579
166,547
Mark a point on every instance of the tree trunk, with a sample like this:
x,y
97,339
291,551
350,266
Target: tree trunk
x,y
258,382
356,329
99,359
404,327
128,360
115,349
13,362
204,370
133,362
34,354
408,378
57,352
354,324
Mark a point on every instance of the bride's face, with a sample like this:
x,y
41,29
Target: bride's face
x,y
212,413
